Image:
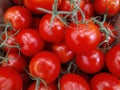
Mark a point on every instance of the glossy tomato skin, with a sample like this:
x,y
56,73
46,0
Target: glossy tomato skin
x,y
10,79
16,61
45,65
19,17
62,52
73,82
30,42
53,33
109,6
46,4
104,81
91,62
113,60
82,38
52,86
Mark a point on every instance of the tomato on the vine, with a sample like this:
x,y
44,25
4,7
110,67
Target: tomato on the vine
x,y
45,65
73,82
51,31
30,42
91,62
10,79
109,7
19,17
81,38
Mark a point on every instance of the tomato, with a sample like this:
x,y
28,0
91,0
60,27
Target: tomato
x,y
52,86
35,22
104,81
16,61
91,62
53,33
113,60
62,52
9,40
82,38
111,7
19,17
32,5
73,82
85,5
111,35
10,79
30,42
45,65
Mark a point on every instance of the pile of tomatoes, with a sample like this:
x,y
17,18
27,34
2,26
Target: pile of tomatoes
x,y
60,45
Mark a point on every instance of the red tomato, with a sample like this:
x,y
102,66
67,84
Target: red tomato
x,y
52,86
110,37
11,44
53,33
45,65
62,52
82,38
35,22
34,4
73,82
85,5
91,62
19,17
15,60
111,7
113,60
10,79
30,42
104,81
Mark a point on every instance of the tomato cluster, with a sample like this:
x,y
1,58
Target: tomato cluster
x,y
60,45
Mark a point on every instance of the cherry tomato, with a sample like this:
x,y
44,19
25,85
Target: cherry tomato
x,y
52,86
73,82
91,62
10,79
19,17
45,65
53,33
62,52
104,81
15,60
82,38
113,60
30,41
111,7
32,5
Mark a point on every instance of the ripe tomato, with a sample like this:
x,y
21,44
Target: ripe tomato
x,y
19,17
32,5
11,44
104,81
53,33
10,79
62,52
111,7
91,62
45,65
30,42
16,61
52,86
82,38
113,60
73,82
